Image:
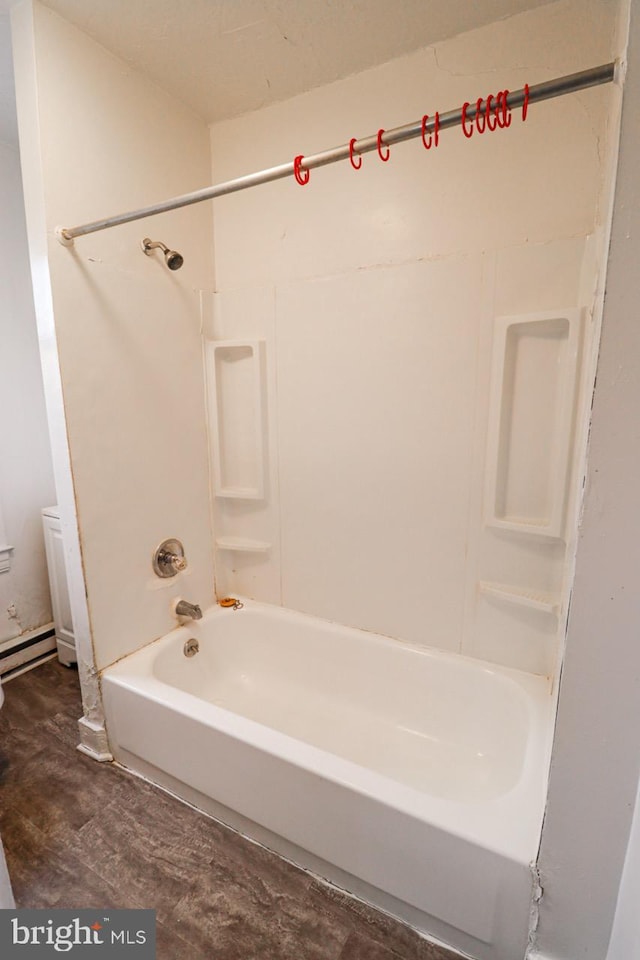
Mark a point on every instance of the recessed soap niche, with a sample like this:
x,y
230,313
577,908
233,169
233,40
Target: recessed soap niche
x,y
235,390
534,378
237,430
533,388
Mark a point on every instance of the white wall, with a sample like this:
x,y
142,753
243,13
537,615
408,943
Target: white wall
x,y
596,757
127,329
376,293
625,935
26,476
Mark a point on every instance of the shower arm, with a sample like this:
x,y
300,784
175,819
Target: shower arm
x,y
606,73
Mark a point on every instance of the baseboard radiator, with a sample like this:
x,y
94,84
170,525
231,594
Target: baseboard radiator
x,y
27,651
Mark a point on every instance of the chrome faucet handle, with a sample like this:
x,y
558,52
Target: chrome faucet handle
x,y
169,558
177,562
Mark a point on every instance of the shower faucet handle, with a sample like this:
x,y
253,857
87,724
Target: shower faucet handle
x,y
178,563
169,558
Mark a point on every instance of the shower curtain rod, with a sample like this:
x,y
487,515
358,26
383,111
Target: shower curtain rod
x,y
605,73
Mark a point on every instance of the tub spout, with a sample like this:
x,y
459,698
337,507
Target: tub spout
x,y
185,609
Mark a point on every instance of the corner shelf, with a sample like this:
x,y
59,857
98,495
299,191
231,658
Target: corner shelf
x,y
242,544
521,597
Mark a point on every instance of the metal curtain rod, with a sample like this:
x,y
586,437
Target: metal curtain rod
x,y
540,91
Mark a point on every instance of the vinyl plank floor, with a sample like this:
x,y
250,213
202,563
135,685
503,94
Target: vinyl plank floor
x,y
82,834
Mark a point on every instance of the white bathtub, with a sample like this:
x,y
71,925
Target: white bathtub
x,y
414,778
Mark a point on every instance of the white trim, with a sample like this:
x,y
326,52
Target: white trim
x,y
23,35
93,740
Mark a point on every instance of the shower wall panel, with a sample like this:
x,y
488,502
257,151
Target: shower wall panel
x,y
377,293
127,329
376,377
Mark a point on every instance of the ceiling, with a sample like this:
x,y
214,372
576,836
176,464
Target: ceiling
x,y
227,57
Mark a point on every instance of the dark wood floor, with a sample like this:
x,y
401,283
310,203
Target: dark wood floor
x,y
82,834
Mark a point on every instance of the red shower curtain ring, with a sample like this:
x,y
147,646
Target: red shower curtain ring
x,y
503,113
433,138
436,129
488,116
479,128
302,176
380,153
525,104
356,166
463,121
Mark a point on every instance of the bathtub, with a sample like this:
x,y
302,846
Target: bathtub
x,y
415,779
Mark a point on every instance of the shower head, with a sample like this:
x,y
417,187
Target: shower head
x,y
172,258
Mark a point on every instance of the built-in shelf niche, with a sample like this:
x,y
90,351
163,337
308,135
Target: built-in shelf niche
x,y
242,544
521,597
533,385
235,389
